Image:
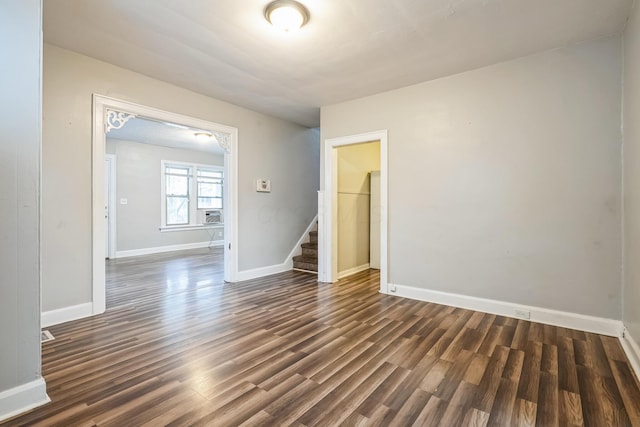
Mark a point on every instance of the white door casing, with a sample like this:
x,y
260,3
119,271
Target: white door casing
x,y
110,112
328,207
110,205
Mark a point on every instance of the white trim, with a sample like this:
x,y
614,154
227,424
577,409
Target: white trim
x,y
112,208
328,216
171,248
66,314
172,228
565,319
297,249
632,350
23,398
100,104
321,240
265,271
353,270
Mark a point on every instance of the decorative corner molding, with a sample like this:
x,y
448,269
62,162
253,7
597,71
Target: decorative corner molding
x,y
224,140
116,119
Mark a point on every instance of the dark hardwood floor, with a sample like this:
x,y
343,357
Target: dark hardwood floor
x,y
179,347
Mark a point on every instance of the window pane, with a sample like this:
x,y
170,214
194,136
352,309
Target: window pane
x,y
177,171
209,190
177,210
209,202
204,173
177,185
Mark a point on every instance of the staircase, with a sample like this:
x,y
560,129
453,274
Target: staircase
x,y
308,261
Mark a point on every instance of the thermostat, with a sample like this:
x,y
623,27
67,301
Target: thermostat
x,y
263,186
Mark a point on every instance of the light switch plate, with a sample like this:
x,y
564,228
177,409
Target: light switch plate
x,y
263,185
123,201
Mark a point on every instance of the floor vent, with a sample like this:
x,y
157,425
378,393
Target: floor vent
x,y
47,336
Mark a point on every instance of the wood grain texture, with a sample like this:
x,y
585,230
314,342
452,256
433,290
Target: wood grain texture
x,y
179,347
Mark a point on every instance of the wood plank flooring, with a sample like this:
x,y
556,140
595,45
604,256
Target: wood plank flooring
x,y
179,347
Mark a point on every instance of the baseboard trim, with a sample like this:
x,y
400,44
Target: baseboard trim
x,y
265,271
23,398
632,349
171,248
66,314
353,270
547,316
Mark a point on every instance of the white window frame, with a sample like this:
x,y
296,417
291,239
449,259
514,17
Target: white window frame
x,y
193,195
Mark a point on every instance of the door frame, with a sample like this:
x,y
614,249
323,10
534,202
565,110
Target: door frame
x,y
328,207
227,137
111,205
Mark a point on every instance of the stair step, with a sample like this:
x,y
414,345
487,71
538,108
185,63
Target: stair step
x,y
306,259
310,250
305,266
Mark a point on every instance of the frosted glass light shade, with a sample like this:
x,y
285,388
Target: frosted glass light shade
x,y
286,15
202,136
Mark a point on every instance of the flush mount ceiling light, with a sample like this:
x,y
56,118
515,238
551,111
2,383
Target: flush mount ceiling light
x,y
203,136
286,15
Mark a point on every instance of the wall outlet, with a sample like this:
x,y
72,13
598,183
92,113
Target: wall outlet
x,y
522,314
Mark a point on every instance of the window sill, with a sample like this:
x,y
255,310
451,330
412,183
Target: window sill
x,y
170,228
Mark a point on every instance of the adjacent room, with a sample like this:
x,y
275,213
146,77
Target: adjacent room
x,y
320,213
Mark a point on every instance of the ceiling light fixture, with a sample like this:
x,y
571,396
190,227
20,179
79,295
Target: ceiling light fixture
x,y
286,15
203,136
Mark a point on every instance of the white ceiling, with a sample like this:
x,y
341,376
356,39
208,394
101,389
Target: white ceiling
x,y
349,48
152,132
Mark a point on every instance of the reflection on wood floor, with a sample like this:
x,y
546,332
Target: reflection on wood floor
x,y
179,347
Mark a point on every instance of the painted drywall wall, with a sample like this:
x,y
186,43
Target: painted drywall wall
x,y
138,179
270,224
354,164
504,182
20,125
631,127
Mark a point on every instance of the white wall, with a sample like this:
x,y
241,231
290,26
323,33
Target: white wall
x,y
269,223
138,179
21,384
504,182
354,200
631,292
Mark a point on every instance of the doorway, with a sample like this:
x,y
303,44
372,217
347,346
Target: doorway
x,y
328,207
358,213
109,113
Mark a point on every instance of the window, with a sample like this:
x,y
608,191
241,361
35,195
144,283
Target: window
x,y
209,189
177,194
181,181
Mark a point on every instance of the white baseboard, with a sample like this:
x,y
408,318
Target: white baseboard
x,y
353,270
632,349
23,398
297,249
547,316
172,248
66,314
264,271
